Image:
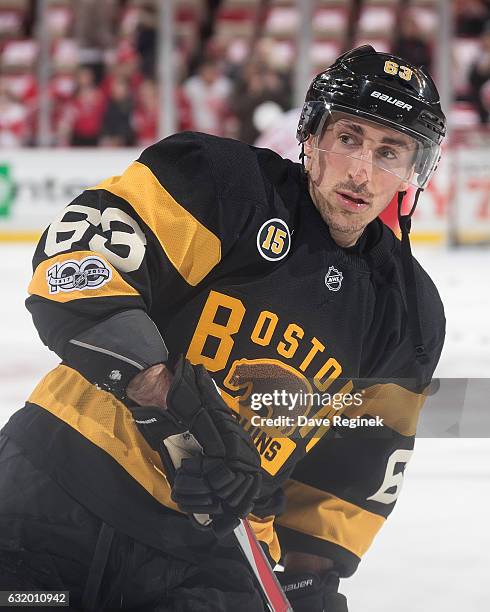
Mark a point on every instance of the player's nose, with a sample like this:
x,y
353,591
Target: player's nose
x,y
361,167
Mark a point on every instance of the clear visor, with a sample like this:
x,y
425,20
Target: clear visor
x,y
373,147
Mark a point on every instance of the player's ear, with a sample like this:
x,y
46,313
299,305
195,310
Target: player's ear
x,y
308,149
308,146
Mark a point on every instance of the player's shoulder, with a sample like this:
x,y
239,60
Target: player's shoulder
x,y
223,168
393,245
431,308
428,293
390,279
394,308
426,288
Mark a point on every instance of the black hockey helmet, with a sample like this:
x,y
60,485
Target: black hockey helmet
x,y
386,90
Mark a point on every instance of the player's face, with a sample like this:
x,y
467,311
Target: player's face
x,y
355,168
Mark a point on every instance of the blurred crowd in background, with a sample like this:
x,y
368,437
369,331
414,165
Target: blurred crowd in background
x,y
234,61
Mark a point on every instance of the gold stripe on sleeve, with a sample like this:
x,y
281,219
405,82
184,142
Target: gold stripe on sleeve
x,y
192,249
398,407
324,516
101,418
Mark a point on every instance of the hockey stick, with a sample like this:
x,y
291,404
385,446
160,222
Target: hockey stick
x,y
184,445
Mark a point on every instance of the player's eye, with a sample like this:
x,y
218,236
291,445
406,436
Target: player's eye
x,y
388,154
347,139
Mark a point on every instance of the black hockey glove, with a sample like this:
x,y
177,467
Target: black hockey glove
x,y
312,593
225,478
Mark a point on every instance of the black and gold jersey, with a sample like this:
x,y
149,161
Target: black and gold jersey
x,y
219,243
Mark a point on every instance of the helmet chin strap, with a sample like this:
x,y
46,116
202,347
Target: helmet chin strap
x,y
405,222
302,155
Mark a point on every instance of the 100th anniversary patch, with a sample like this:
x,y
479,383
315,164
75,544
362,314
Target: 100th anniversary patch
x,y
72,275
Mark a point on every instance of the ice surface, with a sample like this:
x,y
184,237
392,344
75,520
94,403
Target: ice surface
x,y
23,357
433,553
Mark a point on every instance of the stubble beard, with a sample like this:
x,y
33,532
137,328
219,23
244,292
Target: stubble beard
x,y
338,221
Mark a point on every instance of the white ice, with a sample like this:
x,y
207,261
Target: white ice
x,y
433,553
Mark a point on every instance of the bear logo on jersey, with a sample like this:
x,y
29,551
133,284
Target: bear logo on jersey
x,y
89,273
274,240
333,279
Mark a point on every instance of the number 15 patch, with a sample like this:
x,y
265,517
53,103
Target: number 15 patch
x,y
274,240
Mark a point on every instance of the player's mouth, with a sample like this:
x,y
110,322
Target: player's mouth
x,y
351,201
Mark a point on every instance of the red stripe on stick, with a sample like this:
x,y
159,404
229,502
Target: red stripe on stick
x,y
271,585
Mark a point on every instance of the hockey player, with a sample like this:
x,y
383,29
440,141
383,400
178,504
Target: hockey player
x,y
210,258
